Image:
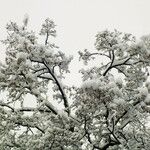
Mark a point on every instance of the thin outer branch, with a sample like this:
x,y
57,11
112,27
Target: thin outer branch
x,y
24,109
97,54
43,77
28,125
46,40
6,105
121,71
125,112
48,104
123,63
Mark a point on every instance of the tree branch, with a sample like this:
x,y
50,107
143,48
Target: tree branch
x,y
29,125
91,54
46,40
112,61
59,87
125,112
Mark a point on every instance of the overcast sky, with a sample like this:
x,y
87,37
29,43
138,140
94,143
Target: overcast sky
x,y
78,20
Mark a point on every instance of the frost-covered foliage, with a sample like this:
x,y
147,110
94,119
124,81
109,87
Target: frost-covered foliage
x,y
108,112
114,108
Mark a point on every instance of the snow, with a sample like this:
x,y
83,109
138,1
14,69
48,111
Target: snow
x,y
143,91
28,63
148,85
114,88
26,19
147,99
94,83
111,85
85,106
118,62
143,104
21,55
119,81
119,101
36,91
63,114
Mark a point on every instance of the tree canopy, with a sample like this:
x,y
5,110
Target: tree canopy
x,y
109,111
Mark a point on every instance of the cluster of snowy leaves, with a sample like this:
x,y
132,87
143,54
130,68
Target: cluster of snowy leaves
x,y
29,69
109,111
115,107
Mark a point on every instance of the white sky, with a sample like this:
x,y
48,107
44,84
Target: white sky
x,y
78,20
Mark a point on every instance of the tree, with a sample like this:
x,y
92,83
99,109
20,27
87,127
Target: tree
x,y
105,113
